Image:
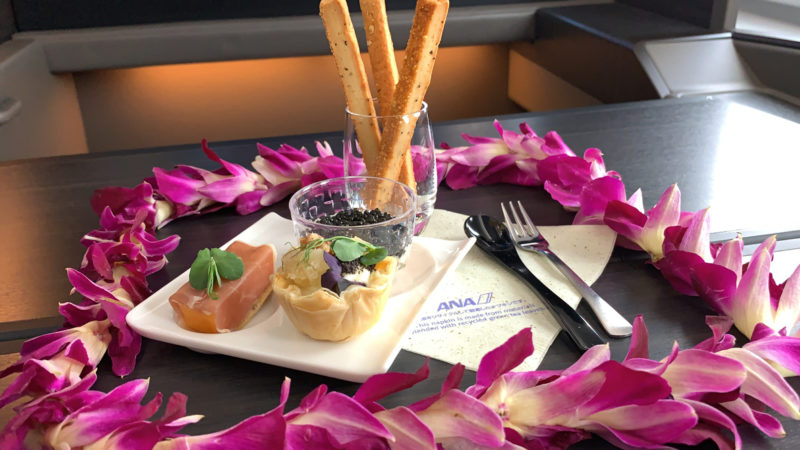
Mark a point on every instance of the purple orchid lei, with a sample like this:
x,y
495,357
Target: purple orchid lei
x,y
685,397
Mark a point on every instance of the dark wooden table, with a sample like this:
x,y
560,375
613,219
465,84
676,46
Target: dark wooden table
x,y
710,146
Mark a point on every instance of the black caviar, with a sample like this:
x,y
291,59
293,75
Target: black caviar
x,y
353,266
352,217
394,238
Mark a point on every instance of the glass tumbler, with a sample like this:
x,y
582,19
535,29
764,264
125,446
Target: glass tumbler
x,y
332,196
363,137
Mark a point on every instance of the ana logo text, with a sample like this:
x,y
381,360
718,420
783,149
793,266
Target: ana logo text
x,y
461,303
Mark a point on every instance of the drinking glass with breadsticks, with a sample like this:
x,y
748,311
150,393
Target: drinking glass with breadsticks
x,y
390,130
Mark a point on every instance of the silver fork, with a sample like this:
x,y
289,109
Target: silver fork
x,y
527,237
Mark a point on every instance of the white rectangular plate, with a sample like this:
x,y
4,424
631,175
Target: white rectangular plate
x,y
271,338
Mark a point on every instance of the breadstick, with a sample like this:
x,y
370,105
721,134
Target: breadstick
x,y
384,67
381,51
344,46
415,76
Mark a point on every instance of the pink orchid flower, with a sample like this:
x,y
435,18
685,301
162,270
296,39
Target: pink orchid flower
x,y
283,165
782,351
257,432
283,169
717,379
527,144
331,165
684,248
53,361
47,410
145,434
120,268
450,417
511,158
196,191
646,231
328,165
765,385
324,418
750,297
625,406
407,429
692,374
119,420
443,162
566,176
128,202
287,168
458,417
596,195
126,343
118,229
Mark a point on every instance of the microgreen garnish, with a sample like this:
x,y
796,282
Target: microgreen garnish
x,y
348,249
211,266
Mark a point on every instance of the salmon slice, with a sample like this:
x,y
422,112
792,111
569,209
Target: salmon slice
x,y
238,300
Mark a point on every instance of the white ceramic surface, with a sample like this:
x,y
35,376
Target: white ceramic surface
x,y
271,338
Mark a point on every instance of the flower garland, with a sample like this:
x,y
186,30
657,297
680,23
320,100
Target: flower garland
x,y
686,397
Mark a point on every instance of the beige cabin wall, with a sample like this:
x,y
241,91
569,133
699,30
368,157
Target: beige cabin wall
x,y
184,103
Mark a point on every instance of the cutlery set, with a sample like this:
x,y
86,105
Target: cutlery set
x,y
501,240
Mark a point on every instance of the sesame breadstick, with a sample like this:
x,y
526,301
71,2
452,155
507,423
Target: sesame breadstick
x,y
415,76
381,51
384,68
344,46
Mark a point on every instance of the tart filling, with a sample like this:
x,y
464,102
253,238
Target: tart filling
x,y
332,312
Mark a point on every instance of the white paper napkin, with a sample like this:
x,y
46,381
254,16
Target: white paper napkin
x,y
482,304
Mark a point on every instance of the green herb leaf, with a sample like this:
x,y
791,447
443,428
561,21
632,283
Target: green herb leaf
x,y
374,256
229,266
348,249
198,274
211,266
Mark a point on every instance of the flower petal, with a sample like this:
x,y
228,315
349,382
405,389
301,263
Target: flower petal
x,y
765,384
648,426
639,346
379,386
547,403
178,188
624,386
697,237
462,177
479,155
226,190
764,422
716,285
457,414
751,303
678,268
410,433
254,433
665,214
95,420
787,314
711,423
503,359
343,418
625,220
590,359
720,325
697,371
594,199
